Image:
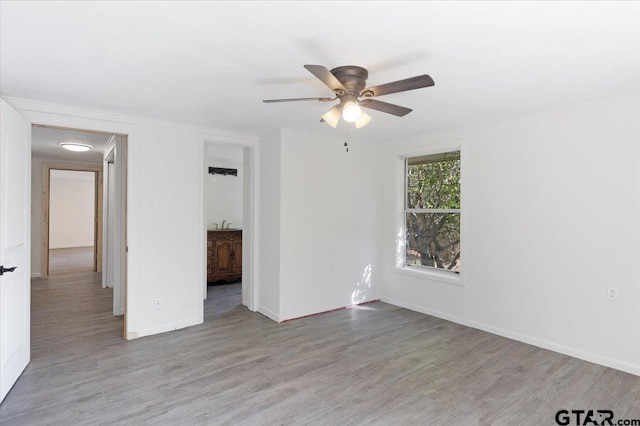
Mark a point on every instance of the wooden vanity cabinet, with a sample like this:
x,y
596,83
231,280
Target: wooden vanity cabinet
x,y
224,256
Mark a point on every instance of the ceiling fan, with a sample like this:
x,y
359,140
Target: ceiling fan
x,y
348,83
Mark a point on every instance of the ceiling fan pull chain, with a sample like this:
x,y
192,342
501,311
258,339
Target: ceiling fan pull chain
x,y
346,140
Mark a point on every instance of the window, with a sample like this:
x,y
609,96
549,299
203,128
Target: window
x,y
432,211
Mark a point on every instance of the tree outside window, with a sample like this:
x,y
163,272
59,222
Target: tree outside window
x,y
432,211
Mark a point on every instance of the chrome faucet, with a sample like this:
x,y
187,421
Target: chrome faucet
x,y
223,222
228,225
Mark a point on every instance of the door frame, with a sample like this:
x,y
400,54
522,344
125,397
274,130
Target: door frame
x,y
250,231
79,119
116,154
45,217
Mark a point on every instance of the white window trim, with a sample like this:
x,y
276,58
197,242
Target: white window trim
x,y
400,266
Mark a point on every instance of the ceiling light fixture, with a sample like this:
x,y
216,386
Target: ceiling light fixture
x,y
363,120
332,116
76,147
351,110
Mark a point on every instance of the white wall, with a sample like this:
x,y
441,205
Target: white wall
x,y
71,209
223,194
551,205
269,242
163,171
328,223
249,210
318,224
36,210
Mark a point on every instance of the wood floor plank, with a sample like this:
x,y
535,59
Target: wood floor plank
x,y
621,389
633,412
375,364
70,260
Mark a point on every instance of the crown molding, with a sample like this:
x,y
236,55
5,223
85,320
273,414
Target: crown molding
x,y
27,105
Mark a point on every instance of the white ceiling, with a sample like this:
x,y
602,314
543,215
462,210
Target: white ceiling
x,y
45,142
211,63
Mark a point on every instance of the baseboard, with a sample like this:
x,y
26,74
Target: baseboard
x,y
67,246
161,329
269,313
36,275
541,343
332,310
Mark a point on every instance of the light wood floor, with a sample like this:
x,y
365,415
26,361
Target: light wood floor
x,y
70,260
377,364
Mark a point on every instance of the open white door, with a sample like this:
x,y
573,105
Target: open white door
x,y
15,235
115,219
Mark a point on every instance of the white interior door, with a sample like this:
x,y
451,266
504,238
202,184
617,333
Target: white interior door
x,y
115,218
15,235
109,227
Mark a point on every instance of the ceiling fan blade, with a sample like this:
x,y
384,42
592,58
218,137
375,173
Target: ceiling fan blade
x,y
324,75
412,83
398,110
271,101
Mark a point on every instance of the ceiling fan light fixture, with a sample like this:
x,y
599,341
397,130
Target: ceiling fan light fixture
x,y
332,116
363,120
351,111
76,147
349,83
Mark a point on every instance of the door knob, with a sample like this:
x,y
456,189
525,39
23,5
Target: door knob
x,y
3,269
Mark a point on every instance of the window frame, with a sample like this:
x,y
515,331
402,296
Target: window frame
x,y
400,188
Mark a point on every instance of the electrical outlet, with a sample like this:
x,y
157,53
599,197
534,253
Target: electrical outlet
x,y
612,294
332,268
156,304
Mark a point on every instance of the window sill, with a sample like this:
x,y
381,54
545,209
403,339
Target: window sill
x,y
434,275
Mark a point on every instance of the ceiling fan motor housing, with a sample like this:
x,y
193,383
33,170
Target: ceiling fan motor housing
x,y
353,78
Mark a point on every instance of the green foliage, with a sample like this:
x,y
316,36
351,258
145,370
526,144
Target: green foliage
x,y
433,239
434,185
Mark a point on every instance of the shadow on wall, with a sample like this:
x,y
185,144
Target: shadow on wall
x,y
363,287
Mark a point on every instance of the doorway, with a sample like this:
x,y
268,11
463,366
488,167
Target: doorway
x,y
227,227
73,221
75,205
106,164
